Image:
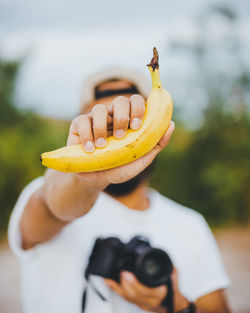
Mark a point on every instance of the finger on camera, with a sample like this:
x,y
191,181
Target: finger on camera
x,y
100,117
137,109
114,286
142,289
145,307
121,109
136,294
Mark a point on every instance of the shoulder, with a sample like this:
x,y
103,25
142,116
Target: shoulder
x,y
181,221
31,187
175,210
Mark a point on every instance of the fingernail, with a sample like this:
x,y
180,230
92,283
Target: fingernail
x,y
100,142
120,133
127,276
135,123
89,146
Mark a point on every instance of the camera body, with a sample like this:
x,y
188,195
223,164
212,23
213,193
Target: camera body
x,y
151,266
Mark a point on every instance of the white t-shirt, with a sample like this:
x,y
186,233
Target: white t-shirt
x,y
52,273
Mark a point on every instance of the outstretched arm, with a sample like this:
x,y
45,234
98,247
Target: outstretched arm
x,y
67,196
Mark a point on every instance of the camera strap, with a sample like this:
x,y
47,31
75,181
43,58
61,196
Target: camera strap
x,y
168,302
84,295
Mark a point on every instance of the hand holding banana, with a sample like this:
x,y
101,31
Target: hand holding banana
x,y
143,140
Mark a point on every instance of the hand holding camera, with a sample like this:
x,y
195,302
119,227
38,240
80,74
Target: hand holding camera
x,y
139,273
148,299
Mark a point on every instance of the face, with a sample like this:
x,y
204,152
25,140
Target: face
x,y
127,187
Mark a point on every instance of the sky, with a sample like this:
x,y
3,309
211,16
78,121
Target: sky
x,y
61,42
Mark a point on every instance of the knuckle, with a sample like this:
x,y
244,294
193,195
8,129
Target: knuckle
x,y
85,136
121,105
74,121
145,292
122,120
137,109
140,106
162,292
120,99
100,122
72,127
80,119
99,107
97,128
136,97
144,307
155,302
99,131
131,295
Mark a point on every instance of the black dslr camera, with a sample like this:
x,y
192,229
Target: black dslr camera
x,y
110,256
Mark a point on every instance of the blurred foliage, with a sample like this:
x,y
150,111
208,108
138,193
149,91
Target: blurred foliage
x,y
207,168
23,136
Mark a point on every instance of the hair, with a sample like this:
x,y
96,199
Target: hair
x,y
113,92
127,187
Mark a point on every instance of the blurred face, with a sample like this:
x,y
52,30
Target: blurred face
x,y
106,93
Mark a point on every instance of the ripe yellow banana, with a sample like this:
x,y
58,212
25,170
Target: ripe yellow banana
x,y
157,117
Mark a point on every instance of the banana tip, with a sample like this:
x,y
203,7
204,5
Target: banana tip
x,y
41,159
154,64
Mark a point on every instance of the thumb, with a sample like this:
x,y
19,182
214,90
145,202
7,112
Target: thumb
x,y
149,157
166,137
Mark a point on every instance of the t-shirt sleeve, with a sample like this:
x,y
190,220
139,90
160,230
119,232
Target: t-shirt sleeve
x,y
14,232
210,274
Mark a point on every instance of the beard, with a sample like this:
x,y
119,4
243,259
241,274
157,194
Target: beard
x,y
127,187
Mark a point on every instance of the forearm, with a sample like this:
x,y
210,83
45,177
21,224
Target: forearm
x,y
69,196
63,198
38,224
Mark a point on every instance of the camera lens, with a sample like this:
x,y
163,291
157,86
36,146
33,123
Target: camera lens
x,y
154,268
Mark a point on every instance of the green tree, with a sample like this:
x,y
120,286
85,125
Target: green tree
x,y
210,170
23,136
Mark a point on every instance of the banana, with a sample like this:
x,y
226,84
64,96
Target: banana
x,y
117,152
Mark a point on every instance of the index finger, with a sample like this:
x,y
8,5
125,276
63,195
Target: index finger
x,y
160,291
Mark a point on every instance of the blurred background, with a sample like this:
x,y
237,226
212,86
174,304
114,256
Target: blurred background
x,y
48,49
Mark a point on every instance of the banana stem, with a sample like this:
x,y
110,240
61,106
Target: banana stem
x,y
155,60
154,70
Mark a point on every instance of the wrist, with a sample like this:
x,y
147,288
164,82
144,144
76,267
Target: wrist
x,y
87,181
180,302
161,309
68,195
191,308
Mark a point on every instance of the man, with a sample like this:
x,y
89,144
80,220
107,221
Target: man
x,y
58,217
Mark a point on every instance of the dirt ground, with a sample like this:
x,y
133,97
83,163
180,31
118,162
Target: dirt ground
x,y
234,245
235,249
